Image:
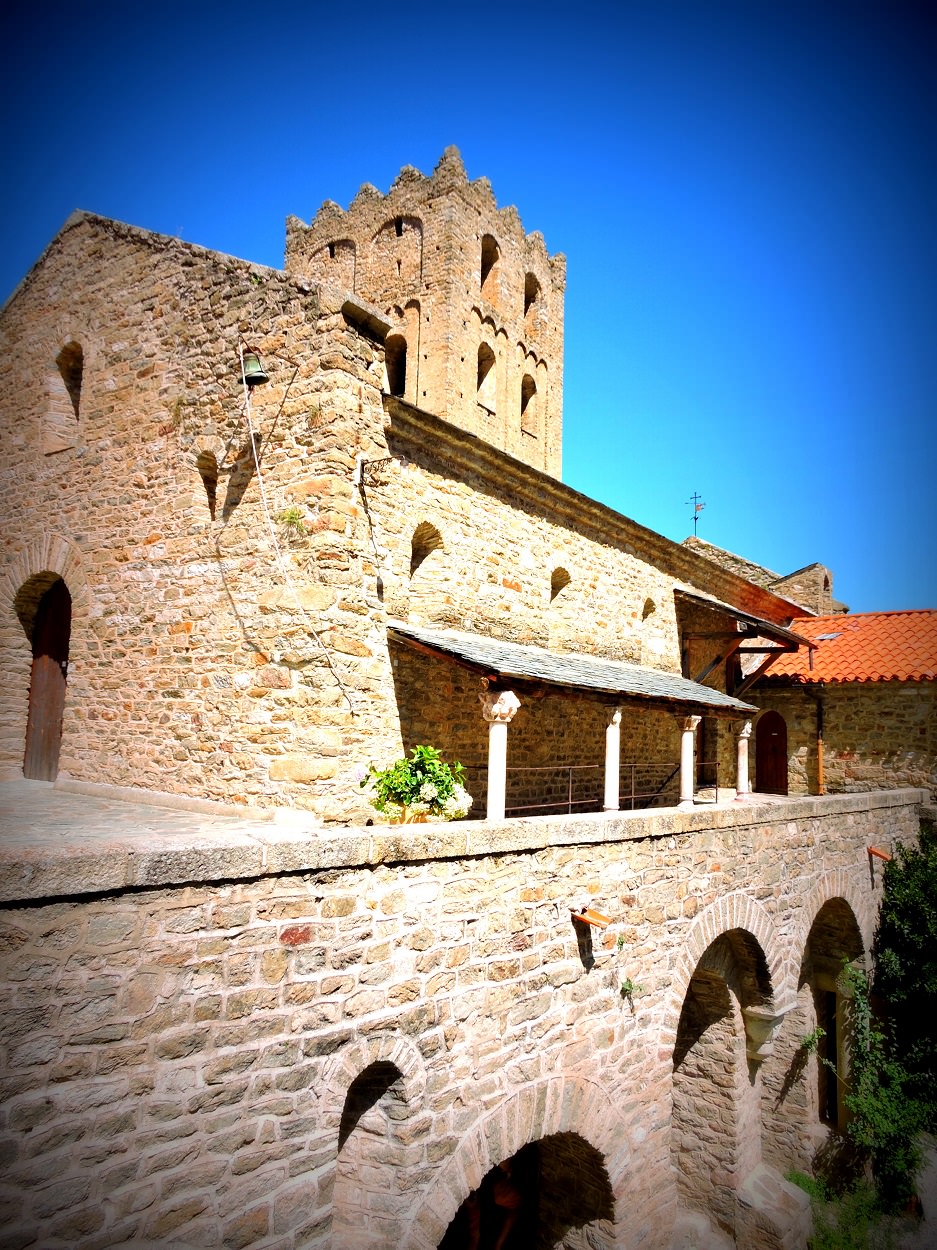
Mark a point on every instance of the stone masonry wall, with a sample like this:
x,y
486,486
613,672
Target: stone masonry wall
x,y
191,633
177,1056
876,734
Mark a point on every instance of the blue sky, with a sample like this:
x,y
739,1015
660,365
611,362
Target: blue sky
x,y
746,194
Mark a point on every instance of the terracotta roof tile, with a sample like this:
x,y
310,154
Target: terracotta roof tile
x,y
866,646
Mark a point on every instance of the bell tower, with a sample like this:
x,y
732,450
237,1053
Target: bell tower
x,y
475,303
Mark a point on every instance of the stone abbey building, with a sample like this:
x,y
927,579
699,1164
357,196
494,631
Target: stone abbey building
x,y
262,527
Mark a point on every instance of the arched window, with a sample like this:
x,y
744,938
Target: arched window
x,y
395,362
491,254
559,581
207,466
71,363
487,375
528,406
63,404
426,539
531,294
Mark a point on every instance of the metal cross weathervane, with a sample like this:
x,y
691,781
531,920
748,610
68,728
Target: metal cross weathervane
x,y
697,501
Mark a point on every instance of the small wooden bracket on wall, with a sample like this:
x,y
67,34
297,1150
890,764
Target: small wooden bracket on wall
x,y
587,915
873,850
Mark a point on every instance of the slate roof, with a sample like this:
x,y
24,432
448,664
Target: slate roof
x,y
505,660
866,646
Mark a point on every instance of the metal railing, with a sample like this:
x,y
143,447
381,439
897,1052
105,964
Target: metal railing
x,y
581,787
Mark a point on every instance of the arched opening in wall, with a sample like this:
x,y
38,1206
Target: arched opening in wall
x,y
559,580
426,539
716,1133
207,466
490,256
771,753
335,263
552,1192
363,1212
650,607
63,400
531,295
395,260
528,406
71,365
395,362
44,607
487,374
834,939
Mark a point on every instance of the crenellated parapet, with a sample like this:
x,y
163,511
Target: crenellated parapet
x,y
475,302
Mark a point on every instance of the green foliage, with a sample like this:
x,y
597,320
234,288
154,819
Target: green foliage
x,y
906,963
815,1186
887,1118
812,1040
629,988
421,785
852,1221
292,518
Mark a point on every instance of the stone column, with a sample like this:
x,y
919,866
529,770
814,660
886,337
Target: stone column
x,y
498,708
743,787
688,729
612,761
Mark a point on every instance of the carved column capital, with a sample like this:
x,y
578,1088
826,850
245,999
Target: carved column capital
x,y
499,706
689,723
746,730
615,718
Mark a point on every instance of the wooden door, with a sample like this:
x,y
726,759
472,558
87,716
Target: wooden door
x,y
51,631
771,754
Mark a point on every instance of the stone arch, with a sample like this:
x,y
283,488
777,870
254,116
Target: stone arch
x,y
800,1106
559,580
734,911
374,1086
46,560
837,883
486,382
541,1109
353,1059
335,263
52,553
489,267
725,1032
530,424
395,259
834,938
395,364
425,539
60,422
532,296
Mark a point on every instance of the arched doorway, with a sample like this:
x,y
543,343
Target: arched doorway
x,y
771,754
552,1192
51,629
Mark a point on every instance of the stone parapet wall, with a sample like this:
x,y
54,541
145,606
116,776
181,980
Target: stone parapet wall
x,y
180,1042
